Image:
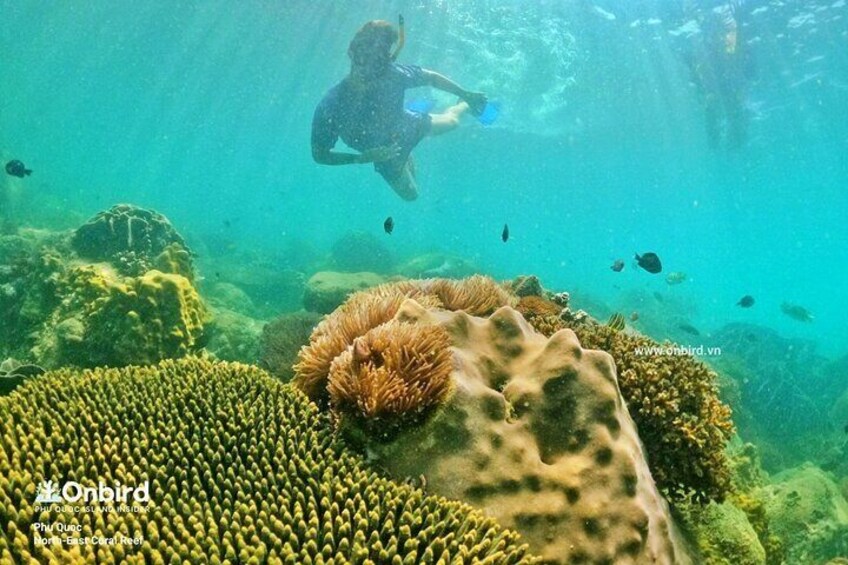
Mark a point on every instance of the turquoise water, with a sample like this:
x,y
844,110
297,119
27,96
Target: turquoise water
x,y
202,111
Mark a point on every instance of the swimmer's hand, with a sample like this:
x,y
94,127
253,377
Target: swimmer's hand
x,y
476,102
379,154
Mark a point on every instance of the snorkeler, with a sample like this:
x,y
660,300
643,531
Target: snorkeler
x,y
366,109
721,68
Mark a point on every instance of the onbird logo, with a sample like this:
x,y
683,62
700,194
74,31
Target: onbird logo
x,y
48,493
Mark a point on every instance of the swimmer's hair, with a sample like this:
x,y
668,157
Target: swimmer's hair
x,y
375,38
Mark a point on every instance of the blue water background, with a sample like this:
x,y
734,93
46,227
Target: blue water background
x,y
201,110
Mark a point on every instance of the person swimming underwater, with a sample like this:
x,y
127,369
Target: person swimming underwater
x,y
366,109
722,68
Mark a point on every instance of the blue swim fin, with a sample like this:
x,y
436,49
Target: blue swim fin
x,y
420,105
490,113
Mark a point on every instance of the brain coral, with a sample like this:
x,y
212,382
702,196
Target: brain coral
x,y
241,469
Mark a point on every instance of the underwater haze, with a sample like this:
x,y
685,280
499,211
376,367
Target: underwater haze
x,y
202,111
676,167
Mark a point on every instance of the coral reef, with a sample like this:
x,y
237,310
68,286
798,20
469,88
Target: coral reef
x,y
437,265
526,285
675,403
59,309
357,252
29,267
239,468
672,398
362,311
270,288
234,336
134,240
107,319
723,535
536,434
806,509
326,290
281,340
770,374
391,378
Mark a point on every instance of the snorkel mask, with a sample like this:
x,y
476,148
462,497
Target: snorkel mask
x,y
371,51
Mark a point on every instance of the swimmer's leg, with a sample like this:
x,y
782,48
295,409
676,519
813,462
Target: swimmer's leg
x,y
447,120
404,184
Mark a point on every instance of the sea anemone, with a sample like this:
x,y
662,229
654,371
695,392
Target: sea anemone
x,y
392,376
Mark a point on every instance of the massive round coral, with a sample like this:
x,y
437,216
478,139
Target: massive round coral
x,y
672,398
133,239
240,468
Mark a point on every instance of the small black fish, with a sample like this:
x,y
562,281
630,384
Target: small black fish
x,y
690,329
650,262
17,169
389,225
505,233
617,265
746,301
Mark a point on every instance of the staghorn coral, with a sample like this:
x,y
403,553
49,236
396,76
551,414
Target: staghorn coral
x,y
240,468
362,311
392,377
672,398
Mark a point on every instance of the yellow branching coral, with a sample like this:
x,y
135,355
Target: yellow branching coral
x,y
675,403
240,468
364,310
392,376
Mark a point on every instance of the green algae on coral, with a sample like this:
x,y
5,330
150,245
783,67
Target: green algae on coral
x,y
241,468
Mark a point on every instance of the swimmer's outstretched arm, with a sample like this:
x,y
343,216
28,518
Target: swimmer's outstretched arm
x,y
476,100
